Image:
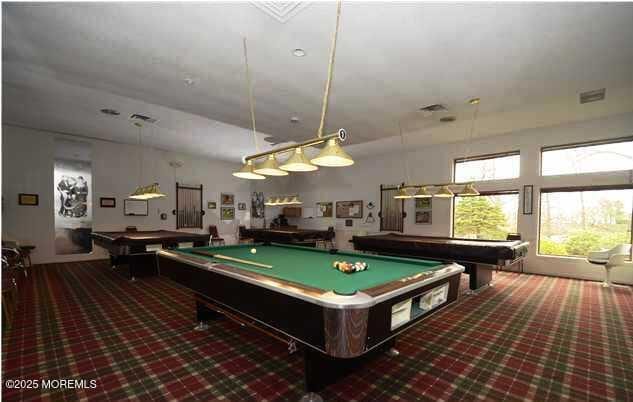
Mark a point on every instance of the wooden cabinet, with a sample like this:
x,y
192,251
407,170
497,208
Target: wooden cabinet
x,y
292,212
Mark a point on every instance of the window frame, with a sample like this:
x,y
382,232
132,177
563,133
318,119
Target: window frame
x,y
484,194
573,145
572,189
482,157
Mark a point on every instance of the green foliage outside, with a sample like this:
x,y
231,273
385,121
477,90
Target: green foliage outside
x,y
480,218
602,227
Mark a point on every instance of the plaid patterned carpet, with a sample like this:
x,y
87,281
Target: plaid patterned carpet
x,y
526,338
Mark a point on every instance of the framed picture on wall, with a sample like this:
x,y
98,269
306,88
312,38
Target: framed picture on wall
x,y
324,209
28,199
212,205
227,199
349,209
135,207
423,203
528,193
423,217
227,213
107,202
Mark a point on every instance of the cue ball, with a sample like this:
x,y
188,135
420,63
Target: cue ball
x,y
253,250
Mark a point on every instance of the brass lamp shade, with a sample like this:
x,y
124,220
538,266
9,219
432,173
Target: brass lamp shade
x,y
270,167
295,200
402,194
469,190
422,193
444,192
285,201
298,163
332,155
147,192
246,172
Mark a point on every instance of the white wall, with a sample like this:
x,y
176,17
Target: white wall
x,y
434,164
27,167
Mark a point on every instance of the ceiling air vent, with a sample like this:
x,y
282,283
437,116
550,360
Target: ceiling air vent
x,y
592,96
142,118
448,119
438,107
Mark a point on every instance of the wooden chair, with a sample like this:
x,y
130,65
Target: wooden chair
x,y
9,286
215,236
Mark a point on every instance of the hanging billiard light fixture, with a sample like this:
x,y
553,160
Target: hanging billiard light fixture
x,y
332,155
144,192
444,192
402,194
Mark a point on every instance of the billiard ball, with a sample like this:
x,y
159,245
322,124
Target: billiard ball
x,y
253,250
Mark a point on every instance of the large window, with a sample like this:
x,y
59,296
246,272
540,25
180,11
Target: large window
x,y
577,221
488,167
488,216
603,156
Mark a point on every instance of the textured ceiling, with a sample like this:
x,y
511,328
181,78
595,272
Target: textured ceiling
x,y
62,62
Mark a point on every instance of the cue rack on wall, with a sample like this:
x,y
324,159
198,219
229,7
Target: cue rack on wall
x,y
189,210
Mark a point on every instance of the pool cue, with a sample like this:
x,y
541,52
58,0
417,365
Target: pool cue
x,y
226,257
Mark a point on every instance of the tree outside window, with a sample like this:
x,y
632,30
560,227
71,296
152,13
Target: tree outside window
x,y
490,216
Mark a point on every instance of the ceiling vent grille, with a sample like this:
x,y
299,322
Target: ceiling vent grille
x,y
282,11
142,118
438,107
592,96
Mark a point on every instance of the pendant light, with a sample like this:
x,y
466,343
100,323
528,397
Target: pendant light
x,y
469,191
298,163
444,192
295,200
403,194
247,172
422,192
270,167
332,155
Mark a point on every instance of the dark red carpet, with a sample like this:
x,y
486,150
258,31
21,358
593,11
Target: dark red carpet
x,y
527,338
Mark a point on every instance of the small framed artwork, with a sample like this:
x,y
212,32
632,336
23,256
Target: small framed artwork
x,y
528,194
227,213
212,205
324,209
349,209
423,203
349,222
135,207
28,199
107,202
241,206
227,199
423,217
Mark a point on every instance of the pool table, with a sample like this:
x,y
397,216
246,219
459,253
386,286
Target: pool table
x,y
340,319
133,251
306,237
479,257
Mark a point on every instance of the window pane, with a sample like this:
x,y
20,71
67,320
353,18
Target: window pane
x,y
588,159
575,223
489,217
504,167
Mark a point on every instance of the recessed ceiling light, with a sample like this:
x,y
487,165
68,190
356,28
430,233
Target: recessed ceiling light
x,y
110,112
448,119
191,81
295,119
299,52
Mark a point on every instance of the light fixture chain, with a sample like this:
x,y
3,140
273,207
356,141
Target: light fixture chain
x,y
251,99
472,130
404,155
328,83
140,157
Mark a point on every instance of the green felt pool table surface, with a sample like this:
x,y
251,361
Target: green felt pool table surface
x,y
313,267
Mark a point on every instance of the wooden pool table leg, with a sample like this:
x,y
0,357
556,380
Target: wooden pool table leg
x,y
479,276
203,314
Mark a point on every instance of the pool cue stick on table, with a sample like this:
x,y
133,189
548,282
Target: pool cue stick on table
x,y
226,257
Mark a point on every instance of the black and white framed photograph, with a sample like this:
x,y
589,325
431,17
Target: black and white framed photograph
x,y
423,217
241,206
528,195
